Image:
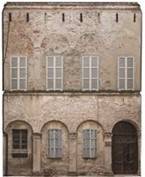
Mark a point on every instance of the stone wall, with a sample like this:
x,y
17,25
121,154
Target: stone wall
x,y
99,33
46,34
71,113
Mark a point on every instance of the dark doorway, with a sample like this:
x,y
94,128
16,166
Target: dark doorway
x,y
124,149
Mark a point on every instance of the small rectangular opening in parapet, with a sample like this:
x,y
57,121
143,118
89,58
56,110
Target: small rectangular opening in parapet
x,y
81,17
117,17
27,17
63,17
10,17
99,18
134,18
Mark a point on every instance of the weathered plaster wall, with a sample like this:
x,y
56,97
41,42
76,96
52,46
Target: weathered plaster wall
x,y
46,34
71,110
71,113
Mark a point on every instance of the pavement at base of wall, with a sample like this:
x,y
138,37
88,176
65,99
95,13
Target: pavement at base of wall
x,y
80,176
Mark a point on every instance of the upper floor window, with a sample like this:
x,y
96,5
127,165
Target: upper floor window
x,y
126,73
89,143
90,73
54,77
55,143
18,73
20,142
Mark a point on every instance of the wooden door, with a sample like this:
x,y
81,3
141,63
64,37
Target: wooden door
x,y
124,149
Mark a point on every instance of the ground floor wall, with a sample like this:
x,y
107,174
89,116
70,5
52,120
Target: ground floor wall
x,y
71,113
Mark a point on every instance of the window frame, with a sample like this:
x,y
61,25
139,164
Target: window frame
x,y
20,152
54,155
54,72
90,72
18,72
125,67
90,144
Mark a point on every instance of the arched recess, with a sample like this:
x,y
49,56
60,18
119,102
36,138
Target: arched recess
x,y
124,148
19,148
95,164
57,165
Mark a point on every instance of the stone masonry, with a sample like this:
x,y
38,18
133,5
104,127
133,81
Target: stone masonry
x,y
71,110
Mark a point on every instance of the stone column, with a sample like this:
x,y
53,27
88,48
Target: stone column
x,y
108,153
72,153
139,150
36,153
4,154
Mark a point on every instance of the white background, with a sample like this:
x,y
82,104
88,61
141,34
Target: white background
x,y
142,4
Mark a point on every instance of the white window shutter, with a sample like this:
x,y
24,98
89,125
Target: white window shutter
x,y
125,73
90,73
55,143
50,143
23,72
19,73
89,143
14,73
93,143
130,73
86,147
121,72
59,145
54,73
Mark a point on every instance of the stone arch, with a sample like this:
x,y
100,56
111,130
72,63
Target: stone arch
x,y
16,162
46,162
95,164
55,43
124,148
128,121
53,122
20,122
91,121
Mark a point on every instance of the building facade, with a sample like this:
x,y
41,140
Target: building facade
x,y
72,82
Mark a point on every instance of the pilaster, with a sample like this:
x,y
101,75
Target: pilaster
x,y
36,153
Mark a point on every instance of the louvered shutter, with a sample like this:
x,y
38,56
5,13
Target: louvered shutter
x,y
55,143
50,143
130,73
14,73
93,143
50,73
19,73
58,143
23,72
121,73
89,143
58,72
54,73
90,73
85,73
125,73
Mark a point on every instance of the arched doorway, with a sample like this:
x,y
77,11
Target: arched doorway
x,y
124,149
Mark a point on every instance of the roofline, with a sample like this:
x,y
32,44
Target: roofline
x,y
104,5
